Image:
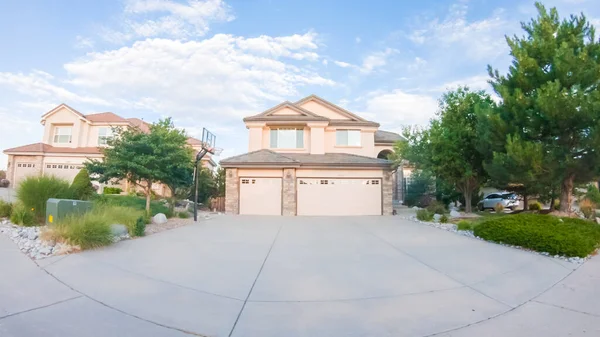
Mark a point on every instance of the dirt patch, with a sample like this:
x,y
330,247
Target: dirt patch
x,y
170,224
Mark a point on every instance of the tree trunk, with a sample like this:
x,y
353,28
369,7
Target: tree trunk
x,y
566,193
467,194
148,196
525,202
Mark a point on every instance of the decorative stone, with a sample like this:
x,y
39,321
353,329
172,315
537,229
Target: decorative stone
x,y
437,217
159,218
118,230
454,214
32,236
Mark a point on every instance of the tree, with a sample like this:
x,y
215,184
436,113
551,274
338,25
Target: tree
x,y
206,185
551,97
81,187
145,158
220,182
449,148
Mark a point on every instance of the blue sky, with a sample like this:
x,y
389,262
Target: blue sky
x,y
208,63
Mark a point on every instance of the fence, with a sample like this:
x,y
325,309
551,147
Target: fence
x,y
217,204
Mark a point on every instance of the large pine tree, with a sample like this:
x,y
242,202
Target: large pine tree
x,y
551,99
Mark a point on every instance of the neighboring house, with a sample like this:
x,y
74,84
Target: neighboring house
x,y
312,157
70,138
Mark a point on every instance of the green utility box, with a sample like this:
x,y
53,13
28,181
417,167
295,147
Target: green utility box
x,y
57,209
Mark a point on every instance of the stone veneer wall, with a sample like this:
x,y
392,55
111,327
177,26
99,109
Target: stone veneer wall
x,y
232,191
388,192
289,191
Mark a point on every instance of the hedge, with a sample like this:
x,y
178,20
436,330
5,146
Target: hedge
x,y
543,233
112,190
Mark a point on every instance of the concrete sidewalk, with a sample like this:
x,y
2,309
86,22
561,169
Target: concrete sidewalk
x,y
299,276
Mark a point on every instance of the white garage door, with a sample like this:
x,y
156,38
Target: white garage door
x,y
23,170
261,196
339,196
64,171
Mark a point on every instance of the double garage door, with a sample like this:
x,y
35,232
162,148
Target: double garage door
x,y
315,196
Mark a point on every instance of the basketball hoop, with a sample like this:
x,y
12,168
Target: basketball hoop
x,y
215,150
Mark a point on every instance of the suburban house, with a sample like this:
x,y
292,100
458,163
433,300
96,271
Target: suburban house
x,y
70,138
312,157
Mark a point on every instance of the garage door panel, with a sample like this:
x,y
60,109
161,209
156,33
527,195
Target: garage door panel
x,y
339,196
260,196
24,170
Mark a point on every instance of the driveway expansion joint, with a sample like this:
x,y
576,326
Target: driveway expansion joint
x,y
566,308
41,307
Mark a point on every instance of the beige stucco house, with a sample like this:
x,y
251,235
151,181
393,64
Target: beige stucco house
x,y
312,157
69,139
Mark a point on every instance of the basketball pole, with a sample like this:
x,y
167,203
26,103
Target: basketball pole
x,y
198,159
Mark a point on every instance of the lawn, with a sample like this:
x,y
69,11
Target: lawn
x,y
136,203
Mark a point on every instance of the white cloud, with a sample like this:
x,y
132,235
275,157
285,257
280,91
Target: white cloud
x,y
477,82
83,42
376,60
396,108
342,64
417,64
299,47
358,39
166,18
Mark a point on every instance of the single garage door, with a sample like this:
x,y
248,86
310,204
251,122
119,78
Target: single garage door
x,y
261,196
64,171
22,171
359,196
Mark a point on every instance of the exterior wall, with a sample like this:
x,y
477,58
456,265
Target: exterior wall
x,y
317,140
367,142
289,192
388,192
232,191
337,173
286,112
63,117
255,141
273,173
322,110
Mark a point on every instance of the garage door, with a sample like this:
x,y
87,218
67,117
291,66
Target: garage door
x,y
339,196
23,170
260,196
64,171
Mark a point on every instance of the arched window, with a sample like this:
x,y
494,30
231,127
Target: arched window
x,y
384,154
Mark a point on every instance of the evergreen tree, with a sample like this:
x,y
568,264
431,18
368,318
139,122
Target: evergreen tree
x,y
81,187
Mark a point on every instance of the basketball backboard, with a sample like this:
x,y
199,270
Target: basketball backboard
x,y
209,141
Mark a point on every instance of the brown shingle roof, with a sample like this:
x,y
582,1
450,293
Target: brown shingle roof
x,y
106,117
270,158
387,137
45,148
145,127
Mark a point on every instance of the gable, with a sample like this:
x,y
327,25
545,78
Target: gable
x,y
322,110
286,111
62,108
62,115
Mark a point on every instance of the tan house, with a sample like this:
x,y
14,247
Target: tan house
x,y
312,157
70,138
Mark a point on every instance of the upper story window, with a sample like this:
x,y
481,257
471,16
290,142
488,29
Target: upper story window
x,y
347,137
104,134
287,138
62,134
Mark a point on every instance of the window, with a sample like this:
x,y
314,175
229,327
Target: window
x,y
347,137
104,134
62,134
287,138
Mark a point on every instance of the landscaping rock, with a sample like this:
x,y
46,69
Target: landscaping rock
x,y
437,217
159,218
454,214
118,230
598,220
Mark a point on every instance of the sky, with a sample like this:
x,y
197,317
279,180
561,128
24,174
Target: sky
x,y
209,63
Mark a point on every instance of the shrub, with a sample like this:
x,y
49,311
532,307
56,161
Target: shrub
x,y
5,209
424,215
139,228
499,208
587,207
183,215
34,192
542,233
557,206
593,194
82,188
4,183
112,190
436,207
444,218
535,206
119,215
88,230
2,174
21,215
419,185
464,225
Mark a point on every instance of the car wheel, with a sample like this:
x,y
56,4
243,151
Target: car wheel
x,y
480,206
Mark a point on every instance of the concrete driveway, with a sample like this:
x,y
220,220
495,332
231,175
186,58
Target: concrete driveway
x,y
299,276
8,194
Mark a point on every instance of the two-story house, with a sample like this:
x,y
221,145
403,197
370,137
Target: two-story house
x,y
312,157
70,138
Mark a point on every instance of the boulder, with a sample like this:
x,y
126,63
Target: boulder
x,y
454,214
159,218
598,220
437,217
118,230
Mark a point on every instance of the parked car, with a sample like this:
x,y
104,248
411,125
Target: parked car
x,y
506,199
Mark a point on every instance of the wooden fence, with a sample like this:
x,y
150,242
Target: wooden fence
x,y
217,204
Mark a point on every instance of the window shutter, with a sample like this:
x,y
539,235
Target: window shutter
x,y
300,138
273,139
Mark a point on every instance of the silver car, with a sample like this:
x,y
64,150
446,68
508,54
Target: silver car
x,y
506,199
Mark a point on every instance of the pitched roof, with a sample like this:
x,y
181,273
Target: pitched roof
x,y
63,105
106,117
270,158
330,105
46,148
136,122
304,115
387,137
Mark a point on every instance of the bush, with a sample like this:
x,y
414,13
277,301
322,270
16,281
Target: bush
x,y
535,206
436,207
499,208
82,188
464,225
112,190
88,230
120,215
4,183
5,209
444,218
21,215
424,215
419,185
542,233
587,207
593,194
34,192
139,228
183,215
